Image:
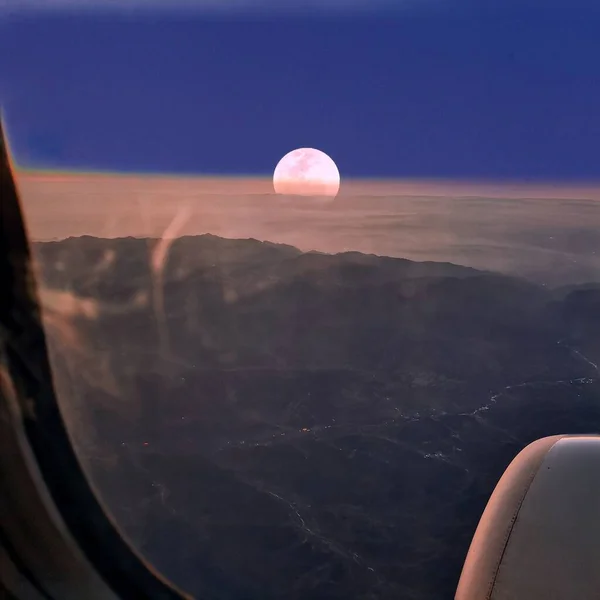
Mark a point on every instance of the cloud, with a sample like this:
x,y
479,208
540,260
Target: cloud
x,y
564,8
216,6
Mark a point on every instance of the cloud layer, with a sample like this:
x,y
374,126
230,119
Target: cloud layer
x,y
539,8
200,5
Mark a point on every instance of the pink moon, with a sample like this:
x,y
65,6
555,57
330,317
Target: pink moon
x,y
306,172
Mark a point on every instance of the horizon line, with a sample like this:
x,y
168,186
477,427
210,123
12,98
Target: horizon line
x,y
531,181
522,185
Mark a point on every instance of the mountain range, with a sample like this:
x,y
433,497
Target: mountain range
x,y
264,422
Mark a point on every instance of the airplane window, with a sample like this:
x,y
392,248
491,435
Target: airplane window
x,y
311,277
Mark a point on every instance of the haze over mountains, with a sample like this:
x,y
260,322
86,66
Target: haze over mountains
x,y
266,422
550,234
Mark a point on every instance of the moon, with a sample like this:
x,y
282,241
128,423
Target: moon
x,y
306,172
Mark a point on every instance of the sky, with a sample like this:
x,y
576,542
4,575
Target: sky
x,y
412,89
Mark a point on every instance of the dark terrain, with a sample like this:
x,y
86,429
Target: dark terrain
x,y
266,423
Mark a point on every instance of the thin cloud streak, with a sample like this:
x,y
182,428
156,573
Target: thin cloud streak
x,y
200,6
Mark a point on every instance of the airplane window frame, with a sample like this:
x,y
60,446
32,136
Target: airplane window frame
x,y
43,487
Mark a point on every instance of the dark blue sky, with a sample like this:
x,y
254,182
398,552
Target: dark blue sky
x,y
463,90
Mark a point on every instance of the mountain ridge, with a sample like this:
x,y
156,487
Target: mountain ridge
x,y
362,408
